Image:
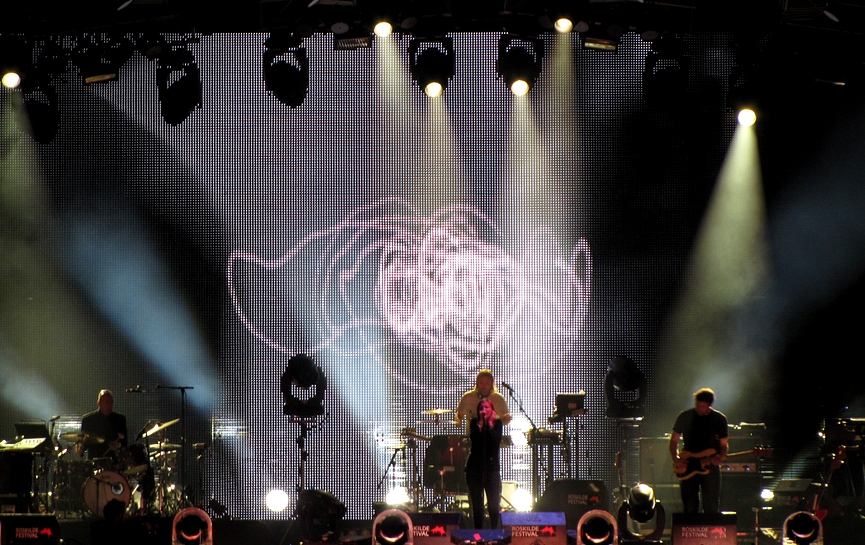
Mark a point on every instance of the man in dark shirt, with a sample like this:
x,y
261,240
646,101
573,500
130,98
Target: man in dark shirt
x,y
104,430
705,446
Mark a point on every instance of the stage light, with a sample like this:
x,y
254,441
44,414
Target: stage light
x,y
397,496
433,89
319,514
392,527
100,61
11,80
803,528
522,500
276,500
767,495
597,527
603,39
192,526
301,372
519,62
747,117
665,76
642,507
432,64
563,25
520,87
179,85
41,105
383,29
14,60
286,69
624,389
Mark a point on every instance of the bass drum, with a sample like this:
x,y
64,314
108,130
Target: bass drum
x,y
104,487
444,465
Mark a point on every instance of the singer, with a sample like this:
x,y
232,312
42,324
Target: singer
x,y
485,388
483,470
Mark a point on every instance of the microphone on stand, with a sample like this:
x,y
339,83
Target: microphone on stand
x,y
136,390
507,386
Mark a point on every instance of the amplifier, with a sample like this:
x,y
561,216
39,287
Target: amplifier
x,y
741,467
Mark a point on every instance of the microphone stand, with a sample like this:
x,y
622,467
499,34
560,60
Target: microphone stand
x,y
182,434
533,441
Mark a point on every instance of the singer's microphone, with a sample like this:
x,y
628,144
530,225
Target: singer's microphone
x,y
136,390
508,386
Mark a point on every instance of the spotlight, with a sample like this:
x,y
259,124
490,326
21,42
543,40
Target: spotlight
x,y
803,528
40,103
392,527
11,80
286,69
563,25
432,64
641,507
14,60
348,38
276,500
519,62
597,527
319,514
383,29
665,77
100,62
192,526
179,84
603,39
747,117
303,373
624,389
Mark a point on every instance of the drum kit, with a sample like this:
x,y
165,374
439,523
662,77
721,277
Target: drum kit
x,y
445,457
142,476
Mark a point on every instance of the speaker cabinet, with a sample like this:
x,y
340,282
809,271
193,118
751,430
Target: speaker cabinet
x,y
575,498
702,528
536,528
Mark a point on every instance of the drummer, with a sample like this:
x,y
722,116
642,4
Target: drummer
x,y
104,430
485,388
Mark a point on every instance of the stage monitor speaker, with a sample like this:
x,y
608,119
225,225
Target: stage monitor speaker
x,y
434,528
29,530
536,528
574,497
701,528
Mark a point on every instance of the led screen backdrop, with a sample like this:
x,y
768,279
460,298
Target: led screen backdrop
x,y
403,243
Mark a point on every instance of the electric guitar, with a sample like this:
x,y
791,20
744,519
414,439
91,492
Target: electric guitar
x,y
698,462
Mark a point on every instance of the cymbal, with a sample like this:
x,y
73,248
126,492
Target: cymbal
x,y
398,447
165,446
85,438
159,427
438,412
135,470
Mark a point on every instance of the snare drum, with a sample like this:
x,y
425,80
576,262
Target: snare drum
x,y
104,487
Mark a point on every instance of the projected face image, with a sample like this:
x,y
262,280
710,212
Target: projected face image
x,y
443,284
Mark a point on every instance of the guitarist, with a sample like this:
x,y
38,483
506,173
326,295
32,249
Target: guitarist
x,y
701,428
